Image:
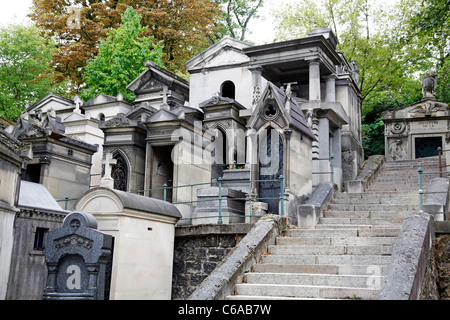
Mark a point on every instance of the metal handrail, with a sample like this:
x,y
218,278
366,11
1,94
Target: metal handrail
x,y
422,192
440,151
250,197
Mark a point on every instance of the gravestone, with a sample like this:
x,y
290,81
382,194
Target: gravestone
x,y
76,255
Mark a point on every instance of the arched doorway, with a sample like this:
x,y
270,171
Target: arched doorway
x,y
270,167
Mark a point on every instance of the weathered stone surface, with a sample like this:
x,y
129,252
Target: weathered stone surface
x,y
410,260
437,198
220,283
443,260
309,213
199,250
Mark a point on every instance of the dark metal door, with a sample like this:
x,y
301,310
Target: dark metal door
x,y
270,168
428,147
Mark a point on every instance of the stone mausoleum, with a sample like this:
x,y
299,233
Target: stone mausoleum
x,y
418,130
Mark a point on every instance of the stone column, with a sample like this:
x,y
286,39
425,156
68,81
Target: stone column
x,y
336,151
250,136
256,84
148,168
330,88
324,149
314,80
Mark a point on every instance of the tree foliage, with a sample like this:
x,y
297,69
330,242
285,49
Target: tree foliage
x,y
121,58
25,73
431,24
371,34
237,15
78,25
393,43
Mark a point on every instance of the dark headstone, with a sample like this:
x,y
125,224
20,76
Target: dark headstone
x,y
76,255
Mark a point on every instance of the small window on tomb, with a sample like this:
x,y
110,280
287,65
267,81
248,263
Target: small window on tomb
x,y
228,90
39,238
101,117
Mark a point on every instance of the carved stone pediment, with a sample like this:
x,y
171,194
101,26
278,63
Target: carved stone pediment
x,y
427,108
37,127
216,100
119,121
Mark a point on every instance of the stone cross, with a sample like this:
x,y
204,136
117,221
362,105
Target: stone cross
x,y
107,181
108,162
78,103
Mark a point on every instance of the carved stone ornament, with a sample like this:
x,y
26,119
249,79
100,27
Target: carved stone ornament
x,y
429,84
119,121
216,100
73,239
399,128
256,95
429,107
397,150
270,111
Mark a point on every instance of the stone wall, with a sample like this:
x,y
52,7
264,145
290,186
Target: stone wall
x,y
198,251
28,270
411,274
443,266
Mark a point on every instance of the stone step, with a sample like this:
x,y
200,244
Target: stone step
x,y
372,207
330,259
330,250
321,233
420,161
365,230
337,269
355,281
365,214
376,200
361,221
375,188
348,241
351,231
305,291
398,183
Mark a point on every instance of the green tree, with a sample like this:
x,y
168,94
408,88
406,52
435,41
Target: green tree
x,y
430,24
237,14
25,73
121,58
368,32
378,37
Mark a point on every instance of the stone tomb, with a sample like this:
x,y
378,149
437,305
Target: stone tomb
x,y
76,255
418,130
144,234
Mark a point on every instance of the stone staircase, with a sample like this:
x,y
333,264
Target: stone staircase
x,y
347,253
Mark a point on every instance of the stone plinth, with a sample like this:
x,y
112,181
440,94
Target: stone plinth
x,y
237,179
233,206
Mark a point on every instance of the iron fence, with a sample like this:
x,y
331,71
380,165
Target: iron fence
x,y
250,197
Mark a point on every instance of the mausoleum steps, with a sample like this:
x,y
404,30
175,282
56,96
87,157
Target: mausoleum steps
x,y
347,254
304,291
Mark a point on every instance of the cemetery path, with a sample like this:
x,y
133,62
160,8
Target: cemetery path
x,y
346,255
